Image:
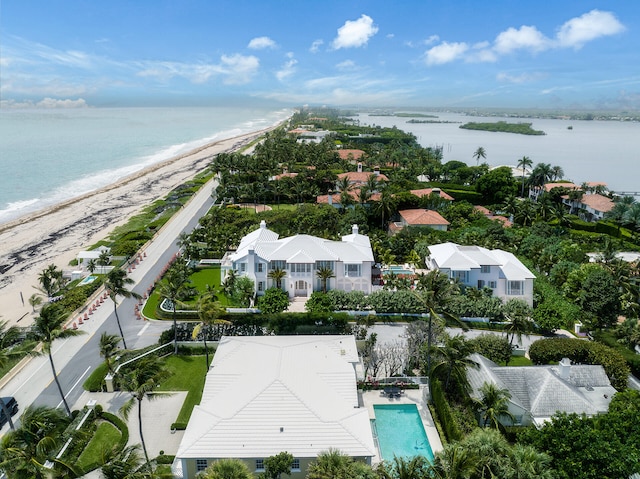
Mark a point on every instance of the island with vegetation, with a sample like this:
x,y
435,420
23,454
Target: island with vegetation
x,y
431,121
405,115
503,126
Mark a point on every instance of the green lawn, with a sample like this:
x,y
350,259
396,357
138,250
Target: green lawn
x,y
187,374
520,361
104,439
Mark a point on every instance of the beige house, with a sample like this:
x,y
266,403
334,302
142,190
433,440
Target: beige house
x,y
268,394
419,217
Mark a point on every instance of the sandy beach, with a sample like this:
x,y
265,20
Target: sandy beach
x,y
56,234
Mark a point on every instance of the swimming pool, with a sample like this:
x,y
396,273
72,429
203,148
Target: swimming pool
x,y
400,431
87,280
393,269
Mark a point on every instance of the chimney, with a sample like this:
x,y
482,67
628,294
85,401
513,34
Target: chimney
x,y
330,198
359,167
354,229
376,170
564,368
263,224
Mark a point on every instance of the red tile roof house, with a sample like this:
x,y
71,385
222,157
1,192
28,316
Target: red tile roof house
x,y
429,191
351,154
361,177
419,217
591,207
504,220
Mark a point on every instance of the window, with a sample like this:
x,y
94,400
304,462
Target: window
x,y
260,285
352,270
243,267
300,267
480,283
259,267
278,264
462,276
259,464
493,284
485,269
324,264
295,466
201,464
515,288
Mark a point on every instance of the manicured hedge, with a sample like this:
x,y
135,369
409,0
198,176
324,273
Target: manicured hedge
x,y
546,351
445,416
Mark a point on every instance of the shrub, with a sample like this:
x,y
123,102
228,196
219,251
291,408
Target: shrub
x,y
273,301
445,416
491,346
546,351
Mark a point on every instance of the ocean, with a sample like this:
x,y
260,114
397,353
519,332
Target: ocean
x,y
49,156
605,151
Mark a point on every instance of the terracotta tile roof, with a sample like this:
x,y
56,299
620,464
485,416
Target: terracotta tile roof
x,y
505,221
482,210
354,193
428,191
571,186
422,217
285,175
350,154
361,176
597,202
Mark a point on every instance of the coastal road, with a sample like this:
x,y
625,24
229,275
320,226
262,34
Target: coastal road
x,y
75,358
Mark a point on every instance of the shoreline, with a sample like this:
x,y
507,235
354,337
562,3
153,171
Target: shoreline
x,y
55,234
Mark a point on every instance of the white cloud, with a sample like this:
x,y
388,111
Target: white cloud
x,y
445,53
315,46
432,39
239,68
594,24
260,43
391,35
524,38
355,33
519,79
288,68
346,65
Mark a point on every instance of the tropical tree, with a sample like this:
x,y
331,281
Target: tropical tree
x,y
229,283
128,464
452,357
434,291
479,153
209,310
275,466
50,280
493,405
416,467
524,163
325,273
92,265
330,464
109,348
24,451
104,259
455,461
46,328
172,288
141,380
35,300
541,174
116,283
277,275
518,313
227,469
557,172
386,205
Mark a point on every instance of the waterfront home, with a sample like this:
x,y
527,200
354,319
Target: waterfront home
x,y
301,257
431,191
538,392
589,207
268,394
480,267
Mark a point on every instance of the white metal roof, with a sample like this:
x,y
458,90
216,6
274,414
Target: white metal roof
x,y
268,394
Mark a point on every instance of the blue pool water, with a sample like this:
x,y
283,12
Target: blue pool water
x,y
87,280
400,431
397,270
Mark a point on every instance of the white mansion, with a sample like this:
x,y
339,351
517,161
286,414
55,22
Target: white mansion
x,y
300,257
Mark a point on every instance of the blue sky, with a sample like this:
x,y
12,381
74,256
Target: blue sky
x,y
477,53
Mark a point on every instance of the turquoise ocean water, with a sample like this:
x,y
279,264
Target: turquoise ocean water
x,y
49,156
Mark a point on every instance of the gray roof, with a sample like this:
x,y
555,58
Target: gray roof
x,y
542,391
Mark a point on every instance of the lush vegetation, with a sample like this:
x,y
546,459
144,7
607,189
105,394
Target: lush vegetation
x,y
503,126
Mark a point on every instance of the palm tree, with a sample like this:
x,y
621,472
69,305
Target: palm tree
x,y
493,405
452,356
330,464
141,381
172,288
229,283
479,153
127,464
208,311
25,450
46,328
109,348
524,163
115,284
416,467
92,265
455,461
227,469
525,462
35,300
386,205
325,273
434,291
277,275
104,259
557,172
518,312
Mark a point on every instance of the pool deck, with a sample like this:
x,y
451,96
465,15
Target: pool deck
x,y
408,396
